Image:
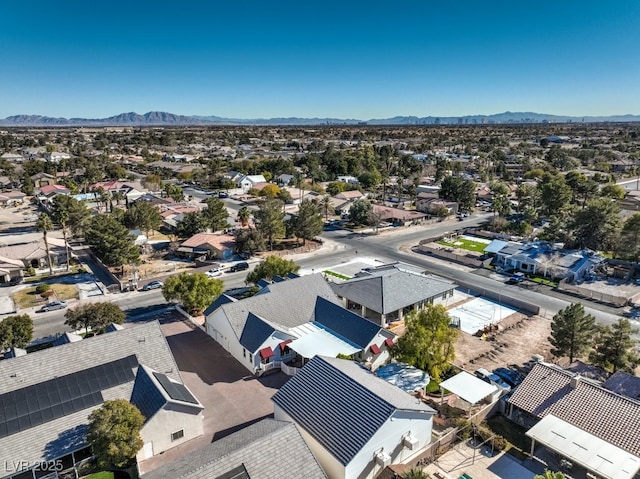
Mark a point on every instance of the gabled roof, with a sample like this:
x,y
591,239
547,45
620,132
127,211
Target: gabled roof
x,y
222,299
255,332
548,389
388,290
284,305
268,449
67,338
115,351
342,405
345,323
150,393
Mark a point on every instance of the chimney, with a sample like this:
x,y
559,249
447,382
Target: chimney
x,y
574,381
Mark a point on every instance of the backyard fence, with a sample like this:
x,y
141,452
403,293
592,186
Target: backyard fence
x,y
451,256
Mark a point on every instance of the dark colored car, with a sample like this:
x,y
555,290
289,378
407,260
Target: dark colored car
x,y
239,267
222,194
509,376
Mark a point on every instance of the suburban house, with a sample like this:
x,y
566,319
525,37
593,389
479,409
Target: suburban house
x,y
580,420
56,156
352,180
355,423
246,182
11,270
129,191
211,245
43,179
34,253
284,179
12,157
432,204
47,396
49,192
543,259
386,293
289,322
9,198
397,216
623,383
268,449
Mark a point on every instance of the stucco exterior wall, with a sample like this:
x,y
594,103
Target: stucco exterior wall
x,y
172,418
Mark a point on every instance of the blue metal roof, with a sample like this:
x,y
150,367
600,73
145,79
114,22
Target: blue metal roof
x,y
346,324
254,333
329,399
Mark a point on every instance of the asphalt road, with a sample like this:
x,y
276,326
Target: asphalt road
x,y
386,247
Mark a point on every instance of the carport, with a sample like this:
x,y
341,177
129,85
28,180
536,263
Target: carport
x,y
468,388
584,449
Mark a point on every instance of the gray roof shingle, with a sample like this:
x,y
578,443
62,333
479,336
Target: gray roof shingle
x,y
341,404
287,304
268,449
391,289
624,383
613,418
49,440
346,324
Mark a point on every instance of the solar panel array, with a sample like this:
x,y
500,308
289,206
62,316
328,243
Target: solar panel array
x,y
175,391
40,403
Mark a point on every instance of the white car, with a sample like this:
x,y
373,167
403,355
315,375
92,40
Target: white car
x,y
153,285
212,273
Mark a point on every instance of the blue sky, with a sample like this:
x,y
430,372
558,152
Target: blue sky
x,y
330,58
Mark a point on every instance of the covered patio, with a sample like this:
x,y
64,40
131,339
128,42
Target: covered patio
x,y
468,388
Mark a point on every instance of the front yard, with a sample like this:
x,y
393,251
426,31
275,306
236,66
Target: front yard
x,y
465,243
28,298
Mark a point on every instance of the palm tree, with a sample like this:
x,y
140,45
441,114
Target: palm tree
x,y
415,473
326,206
62,216
549,475
244,215
45,224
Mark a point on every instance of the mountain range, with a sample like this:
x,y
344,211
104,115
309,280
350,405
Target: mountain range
x,y
161,118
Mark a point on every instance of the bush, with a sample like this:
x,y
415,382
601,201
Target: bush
x,y
42,288
47,294
30,271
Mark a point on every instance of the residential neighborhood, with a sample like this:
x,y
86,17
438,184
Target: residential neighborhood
x,y
330,302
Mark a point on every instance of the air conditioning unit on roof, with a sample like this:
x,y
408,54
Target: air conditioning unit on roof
x,y
383,459
410,441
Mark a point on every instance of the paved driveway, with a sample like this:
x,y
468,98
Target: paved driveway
x,y
232,398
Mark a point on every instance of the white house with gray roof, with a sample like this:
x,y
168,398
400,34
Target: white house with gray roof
x,y
355,423
386,293
47,396
287,323
268,449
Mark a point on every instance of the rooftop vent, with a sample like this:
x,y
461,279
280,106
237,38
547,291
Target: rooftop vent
x,y
382,458
410,442
574,381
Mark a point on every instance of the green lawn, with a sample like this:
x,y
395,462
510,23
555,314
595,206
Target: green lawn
x,y
544,281
337,275
466,244
100,475
28,298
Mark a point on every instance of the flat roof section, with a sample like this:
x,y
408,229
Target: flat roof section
x,y
585,449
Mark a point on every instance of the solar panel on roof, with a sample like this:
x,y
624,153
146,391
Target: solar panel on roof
x,y
175,391
43,402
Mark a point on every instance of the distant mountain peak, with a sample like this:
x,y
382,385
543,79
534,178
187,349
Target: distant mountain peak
x,y
160,118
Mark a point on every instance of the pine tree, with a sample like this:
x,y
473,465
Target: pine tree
x,y
571,332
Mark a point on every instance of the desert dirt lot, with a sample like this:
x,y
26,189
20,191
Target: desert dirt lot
x,y
517,339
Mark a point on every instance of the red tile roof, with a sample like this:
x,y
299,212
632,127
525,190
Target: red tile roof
x,y
609,416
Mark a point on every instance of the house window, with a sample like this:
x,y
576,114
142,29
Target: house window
x,y
244,353
177,435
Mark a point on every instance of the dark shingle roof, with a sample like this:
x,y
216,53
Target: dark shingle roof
x,y
43,442
222,299
268,449
344,323
255,332
287,304
391,289
146,396
613,418
624,383
341,404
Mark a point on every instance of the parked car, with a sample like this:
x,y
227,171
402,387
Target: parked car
x,y
491,378
213,272
516,278
53,306
153,285
222,194
509,376
239,267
